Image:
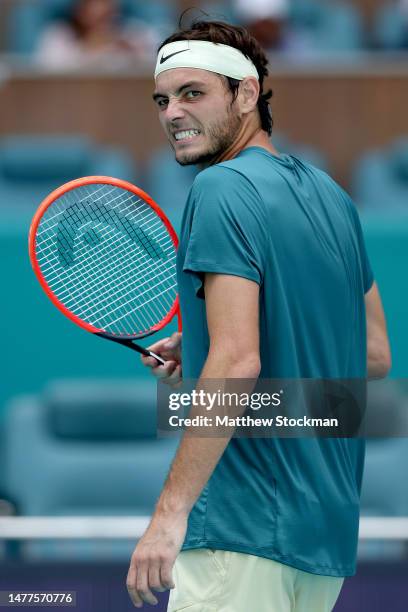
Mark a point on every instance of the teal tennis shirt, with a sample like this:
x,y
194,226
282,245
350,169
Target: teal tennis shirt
x,y
290,228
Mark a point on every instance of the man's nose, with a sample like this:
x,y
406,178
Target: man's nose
x,y
174,110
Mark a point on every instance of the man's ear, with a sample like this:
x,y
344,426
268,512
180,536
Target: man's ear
x,y
248,94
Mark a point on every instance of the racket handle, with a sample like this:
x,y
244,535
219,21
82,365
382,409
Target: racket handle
x,y
157,357
135,347
145,352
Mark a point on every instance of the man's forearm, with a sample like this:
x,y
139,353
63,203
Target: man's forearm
x,y
197,457
378,357
193,465
376,369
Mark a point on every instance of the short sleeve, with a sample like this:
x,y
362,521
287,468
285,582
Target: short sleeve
x,y
228,232
367,272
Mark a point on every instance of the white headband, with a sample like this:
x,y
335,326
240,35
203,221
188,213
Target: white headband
x,y
205,55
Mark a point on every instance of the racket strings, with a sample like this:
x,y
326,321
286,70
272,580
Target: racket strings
x,y
114,285
106,303
108,258
107,232
88,269
73,220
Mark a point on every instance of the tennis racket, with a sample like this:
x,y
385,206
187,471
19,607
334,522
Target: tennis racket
x,y
105,254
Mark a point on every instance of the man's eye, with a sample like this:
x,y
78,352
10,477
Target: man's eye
x,y
193,94
162,102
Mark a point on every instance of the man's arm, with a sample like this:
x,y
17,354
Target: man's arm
x,y
232,306
378,348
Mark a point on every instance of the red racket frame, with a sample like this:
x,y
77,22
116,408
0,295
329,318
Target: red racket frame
x,y
48,201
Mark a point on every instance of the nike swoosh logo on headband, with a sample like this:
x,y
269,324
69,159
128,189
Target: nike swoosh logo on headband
x,y
164,59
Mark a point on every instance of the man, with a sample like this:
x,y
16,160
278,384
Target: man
x,y
274,282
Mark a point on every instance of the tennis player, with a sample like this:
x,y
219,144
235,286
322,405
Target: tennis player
x,y
274,282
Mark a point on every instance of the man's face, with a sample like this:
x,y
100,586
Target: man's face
x,y
197,114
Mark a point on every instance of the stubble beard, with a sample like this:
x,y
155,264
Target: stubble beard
x,y
221,134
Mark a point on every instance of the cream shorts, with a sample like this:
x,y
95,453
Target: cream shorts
x,y
224,581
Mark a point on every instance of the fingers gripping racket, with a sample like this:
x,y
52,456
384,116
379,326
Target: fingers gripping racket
x,y
105,254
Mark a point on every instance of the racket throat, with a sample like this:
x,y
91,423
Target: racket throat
x,y
135,347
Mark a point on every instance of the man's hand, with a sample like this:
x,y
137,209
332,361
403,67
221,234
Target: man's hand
x,y
154,556
170,350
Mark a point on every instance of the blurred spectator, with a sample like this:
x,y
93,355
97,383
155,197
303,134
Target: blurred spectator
x,y
94,35
265,19
318,27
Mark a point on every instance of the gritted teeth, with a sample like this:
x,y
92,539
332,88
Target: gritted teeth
x,y
186,134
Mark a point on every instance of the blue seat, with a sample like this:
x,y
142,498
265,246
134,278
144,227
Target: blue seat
x,y
219,10
380,179
326,26
85,448
390,29
27,21
169,183
154,12
31,166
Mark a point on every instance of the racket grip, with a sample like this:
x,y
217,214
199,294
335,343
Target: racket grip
x,y
138,348
157,357
148,353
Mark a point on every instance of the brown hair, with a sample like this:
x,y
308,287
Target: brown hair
x,y
238,37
